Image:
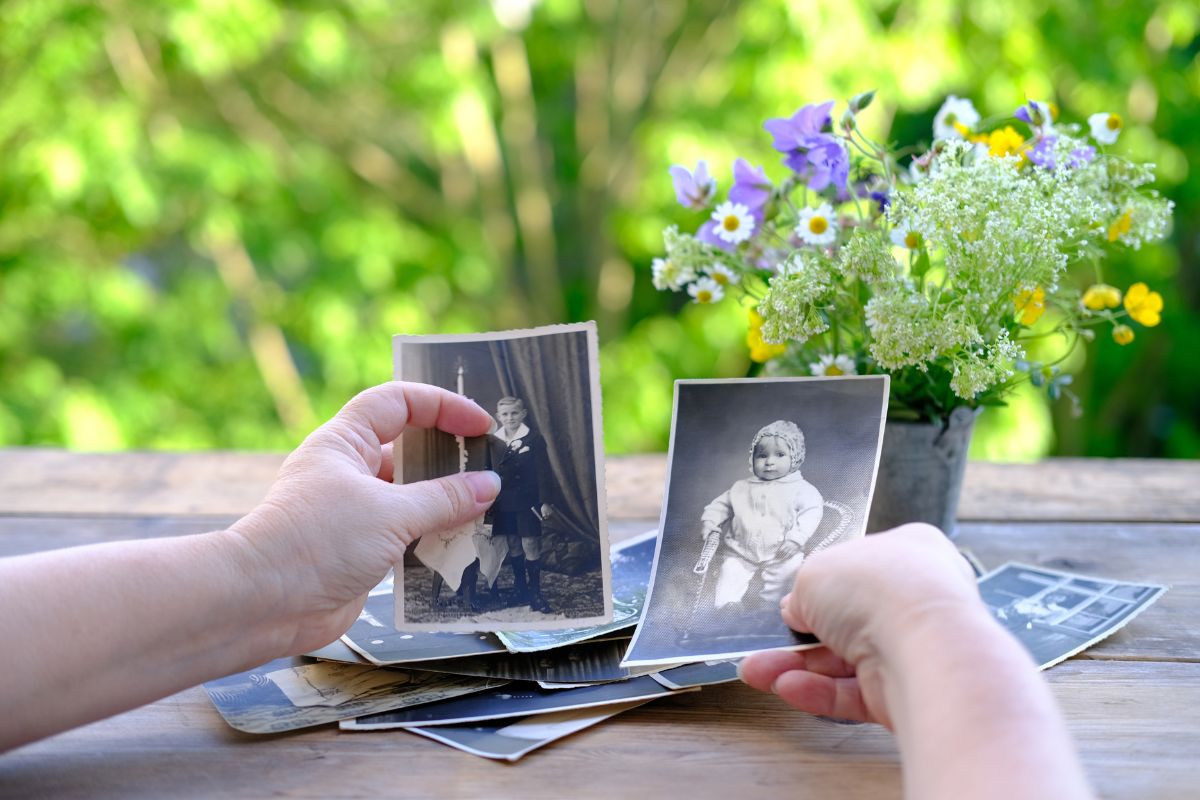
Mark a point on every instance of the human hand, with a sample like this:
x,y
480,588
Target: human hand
x,y
333,523
862,599
546,511
787,550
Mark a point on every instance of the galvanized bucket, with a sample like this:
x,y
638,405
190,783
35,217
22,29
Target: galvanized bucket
x,y
921,471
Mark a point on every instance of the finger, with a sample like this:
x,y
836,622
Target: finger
x,y
440,504
823,695
384,411
789,608
761,670
387,464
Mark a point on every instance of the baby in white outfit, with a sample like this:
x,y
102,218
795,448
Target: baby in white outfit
x,y
764,520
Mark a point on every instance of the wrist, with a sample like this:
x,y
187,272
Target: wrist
x,y
261,577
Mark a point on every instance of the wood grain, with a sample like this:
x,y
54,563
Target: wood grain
x,y
1132,702
41,481
726,741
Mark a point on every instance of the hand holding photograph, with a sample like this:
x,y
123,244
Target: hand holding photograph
x,y
538,559
761,474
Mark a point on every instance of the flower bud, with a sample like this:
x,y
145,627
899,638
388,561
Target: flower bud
x,y
848,122
861,101
1122,334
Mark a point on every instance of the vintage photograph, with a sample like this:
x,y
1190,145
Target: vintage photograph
x,y
514,700
507,740
298,692
705,673
762,473
580,663
373,636
538,559
630,562
1058,614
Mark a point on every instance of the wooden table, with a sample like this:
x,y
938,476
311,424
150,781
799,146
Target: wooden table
x,y
1132,702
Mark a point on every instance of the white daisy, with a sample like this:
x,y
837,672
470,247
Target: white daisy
x,y
672,275
706,290
734,222
904,235
831,366
955,118
723,275
1105,127
817,225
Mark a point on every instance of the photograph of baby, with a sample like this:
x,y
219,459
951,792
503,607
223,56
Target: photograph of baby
x,y
762,474
538,559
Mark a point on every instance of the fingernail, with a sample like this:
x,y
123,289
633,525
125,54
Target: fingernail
x,y
485,485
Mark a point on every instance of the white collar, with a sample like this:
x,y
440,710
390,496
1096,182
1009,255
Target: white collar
x,y
521,433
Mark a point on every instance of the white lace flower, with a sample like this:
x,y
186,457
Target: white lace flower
x,y
1105,127
668,274
723,275
734,222
706,290
817,225
955,119
830,365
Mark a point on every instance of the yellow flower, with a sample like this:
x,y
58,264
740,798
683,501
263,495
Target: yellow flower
x,y
1122,334
1005,142
760,349
1121,226
1030,305
1100,296
1144,305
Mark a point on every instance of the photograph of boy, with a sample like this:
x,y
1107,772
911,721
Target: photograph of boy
x,y
762,473
537,560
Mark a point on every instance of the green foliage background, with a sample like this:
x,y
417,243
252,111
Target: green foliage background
x,y
215,213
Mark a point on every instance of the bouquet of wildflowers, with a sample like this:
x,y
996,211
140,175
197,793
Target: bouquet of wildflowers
x,y
935,267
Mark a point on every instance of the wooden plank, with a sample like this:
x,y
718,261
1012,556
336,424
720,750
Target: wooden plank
x,y
1149,553
1137,726
42,481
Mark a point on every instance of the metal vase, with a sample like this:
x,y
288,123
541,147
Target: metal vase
x,y
921,471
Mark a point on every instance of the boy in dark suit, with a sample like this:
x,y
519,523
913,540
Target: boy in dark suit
x,y
518,454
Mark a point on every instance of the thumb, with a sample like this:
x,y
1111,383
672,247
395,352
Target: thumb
x,y
442,503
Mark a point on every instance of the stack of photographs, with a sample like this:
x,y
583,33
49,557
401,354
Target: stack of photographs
x,y
524,626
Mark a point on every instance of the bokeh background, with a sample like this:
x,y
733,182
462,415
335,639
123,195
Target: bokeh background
x,y
215,213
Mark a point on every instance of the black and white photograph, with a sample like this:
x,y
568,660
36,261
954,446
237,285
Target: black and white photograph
x,y
291,693
762,473
507,740
705,673
513,700
583,662
1058,614
374,637
630,561
538,559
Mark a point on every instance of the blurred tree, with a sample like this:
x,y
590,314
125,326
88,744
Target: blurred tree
x,y
214,213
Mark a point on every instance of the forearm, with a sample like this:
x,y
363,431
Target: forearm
x,y
974,717
93,631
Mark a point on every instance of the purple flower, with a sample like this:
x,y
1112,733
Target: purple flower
x,y
1043,153
1081,156
810,150
882,199
694,190
1036,113
750,188
708,235
793,132
824,161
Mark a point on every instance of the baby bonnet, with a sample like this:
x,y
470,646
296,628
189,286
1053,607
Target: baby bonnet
x,y
787,432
